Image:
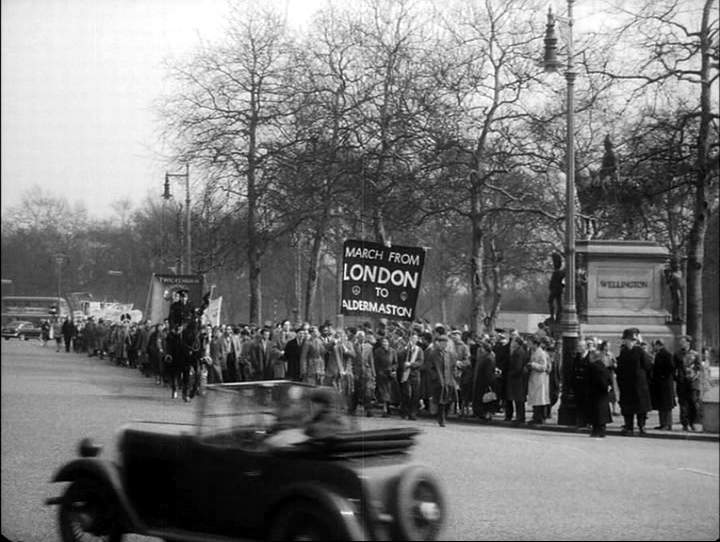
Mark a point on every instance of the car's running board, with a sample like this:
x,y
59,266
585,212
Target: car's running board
x,y
192,536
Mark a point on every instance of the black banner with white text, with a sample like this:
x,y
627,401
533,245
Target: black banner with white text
x,y
379,280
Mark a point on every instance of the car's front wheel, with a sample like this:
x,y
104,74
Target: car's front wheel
x,y
419,505
302,521
88,513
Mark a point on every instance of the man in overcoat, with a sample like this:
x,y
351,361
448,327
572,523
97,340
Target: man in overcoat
x,y
410,360
440,360
598,386
293,352
662,385
364,374
633,368
516,380
689,375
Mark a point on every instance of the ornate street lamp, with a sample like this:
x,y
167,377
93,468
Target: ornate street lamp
x,y
569,324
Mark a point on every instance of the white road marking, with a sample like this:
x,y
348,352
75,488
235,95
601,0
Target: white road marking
x,y
696,471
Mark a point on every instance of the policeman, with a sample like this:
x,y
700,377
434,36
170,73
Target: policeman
x,y
181,311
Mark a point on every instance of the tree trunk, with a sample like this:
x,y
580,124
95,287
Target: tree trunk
x,y
313,271
696,241
477,286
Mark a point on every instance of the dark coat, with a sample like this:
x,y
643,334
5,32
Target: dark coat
x,y
516,377
292,356
662,387
385,364
260,360
598,384
180,313
440,362
633,368
68,329
502,358
483,380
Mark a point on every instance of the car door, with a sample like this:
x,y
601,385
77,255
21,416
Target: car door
x,y
229,489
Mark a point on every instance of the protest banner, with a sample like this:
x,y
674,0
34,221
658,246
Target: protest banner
x,y
380,280
157,304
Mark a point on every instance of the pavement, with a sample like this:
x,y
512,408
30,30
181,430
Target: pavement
x,y
613,429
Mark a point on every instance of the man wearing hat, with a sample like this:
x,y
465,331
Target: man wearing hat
x,y
441,360
181,311
633,369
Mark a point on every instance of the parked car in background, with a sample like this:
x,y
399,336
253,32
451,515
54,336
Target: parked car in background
x,y
268,460
21,329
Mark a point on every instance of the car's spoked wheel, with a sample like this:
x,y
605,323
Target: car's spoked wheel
x,y
419,506
87,514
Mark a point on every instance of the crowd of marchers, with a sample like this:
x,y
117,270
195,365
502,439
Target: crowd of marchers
x,y
414,369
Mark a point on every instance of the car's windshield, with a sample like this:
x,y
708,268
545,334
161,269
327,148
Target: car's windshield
x,y
255,405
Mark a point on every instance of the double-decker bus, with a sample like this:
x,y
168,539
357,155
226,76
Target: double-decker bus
x,y
34,308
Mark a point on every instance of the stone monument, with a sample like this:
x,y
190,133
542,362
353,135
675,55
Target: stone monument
x,y
626,287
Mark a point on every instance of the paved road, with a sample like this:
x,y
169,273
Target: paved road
x,y
501,483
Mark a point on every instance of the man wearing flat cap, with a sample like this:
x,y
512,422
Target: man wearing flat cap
x,y
633,370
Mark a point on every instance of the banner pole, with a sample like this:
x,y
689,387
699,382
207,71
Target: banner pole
x,y
340,319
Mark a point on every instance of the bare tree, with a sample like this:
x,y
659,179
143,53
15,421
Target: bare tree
x,y
227,116
676,69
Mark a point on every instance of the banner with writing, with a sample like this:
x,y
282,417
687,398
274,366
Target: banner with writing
x,y
212,313
379,280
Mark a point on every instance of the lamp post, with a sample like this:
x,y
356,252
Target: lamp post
x,y
59,260
569,324
166,195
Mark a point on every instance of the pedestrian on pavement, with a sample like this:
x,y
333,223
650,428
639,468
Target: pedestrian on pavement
x,y
410,361
485,374
611,363
599,385
385,359
662,385
364,374
441,360
516,380
539,368
45,328
689,374
633,370
68,332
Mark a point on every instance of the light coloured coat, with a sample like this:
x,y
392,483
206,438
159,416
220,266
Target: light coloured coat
x,y
539,378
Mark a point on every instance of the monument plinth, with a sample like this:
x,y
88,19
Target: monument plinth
x,y
625,287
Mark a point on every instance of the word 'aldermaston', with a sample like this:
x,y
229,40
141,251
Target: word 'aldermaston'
x,y
372,306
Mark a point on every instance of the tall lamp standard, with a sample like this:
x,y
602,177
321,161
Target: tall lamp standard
x,y
166,195
569,324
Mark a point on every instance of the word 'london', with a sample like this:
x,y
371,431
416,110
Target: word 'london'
x,y
623,284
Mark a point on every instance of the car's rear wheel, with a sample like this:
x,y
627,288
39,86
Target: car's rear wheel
x,y
419,505
302,520
88,513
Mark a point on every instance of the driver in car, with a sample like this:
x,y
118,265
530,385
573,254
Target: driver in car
x,y
294,427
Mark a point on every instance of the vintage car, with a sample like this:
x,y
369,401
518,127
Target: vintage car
x,y
268,460
21,329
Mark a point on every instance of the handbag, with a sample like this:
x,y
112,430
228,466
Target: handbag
x,y
489,396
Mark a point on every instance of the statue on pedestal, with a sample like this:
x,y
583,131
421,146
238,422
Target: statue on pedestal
x,y
581,283
673,278
557,285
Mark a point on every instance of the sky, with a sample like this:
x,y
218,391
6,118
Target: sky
x,y
79,79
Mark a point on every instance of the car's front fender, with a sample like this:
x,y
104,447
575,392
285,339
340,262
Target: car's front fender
x,y
107,473
349,516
